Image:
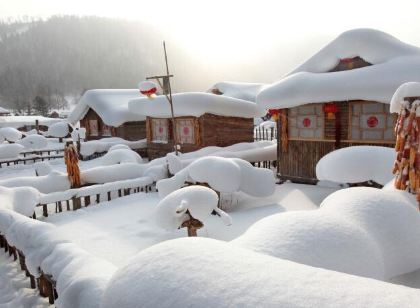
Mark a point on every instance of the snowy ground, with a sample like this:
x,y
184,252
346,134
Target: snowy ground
x,y
119,229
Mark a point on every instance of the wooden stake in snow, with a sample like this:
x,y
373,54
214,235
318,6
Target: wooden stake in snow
x,y
71,159
407,163
192,225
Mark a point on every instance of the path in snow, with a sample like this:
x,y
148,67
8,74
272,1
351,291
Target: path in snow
x,y
15,289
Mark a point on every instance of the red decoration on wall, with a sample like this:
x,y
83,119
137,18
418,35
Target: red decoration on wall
x,y
306,122
186,130
330,109
160,129
372,121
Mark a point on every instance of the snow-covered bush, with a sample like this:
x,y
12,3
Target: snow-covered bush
x,y
199,201
34,142
58,130
201,272
223,174
10,150
357,164
308,237
10,134
120,156
388,217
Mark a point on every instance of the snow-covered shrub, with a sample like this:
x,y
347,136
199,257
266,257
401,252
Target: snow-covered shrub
x,y
357,164
199,201
224,175
388,217
201,272
10,134
10,150
42,168
120,156
34,142
58,130
308,237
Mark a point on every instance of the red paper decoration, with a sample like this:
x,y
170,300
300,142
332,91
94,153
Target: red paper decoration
x,y
372,121
306,122
330,109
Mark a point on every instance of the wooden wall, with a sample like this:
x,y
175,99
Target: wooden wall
x,y
130,130
212,130
302,155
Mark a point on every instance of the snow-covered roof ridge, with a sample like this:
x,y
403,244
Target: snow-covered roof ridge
x,y
243,90
394,63
195,104
110,104
372,45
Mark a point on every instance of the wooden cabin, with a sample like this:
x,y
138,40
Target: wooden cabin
x,y
310,131
201,120
104,113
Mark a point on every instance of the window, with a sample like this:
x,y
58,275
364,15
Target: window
x,y
106,130
159,130
93,127
185,131
306,122
371,121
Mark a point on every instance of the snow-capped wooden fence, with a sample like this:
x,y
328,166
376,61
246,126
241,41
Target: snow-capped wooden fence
x,y
42,152
33,159
261,133
74,199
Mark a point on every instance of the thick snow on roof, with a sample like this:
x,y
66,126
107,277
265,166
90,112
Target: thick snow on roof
x,y
242,90
394,63
19,121
409,89
110,104
195,104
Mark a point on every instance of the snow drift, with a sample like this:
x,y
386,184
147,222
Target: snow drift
x,y
34,142
22,200
8,151
357,164
10,134
58,130
200,272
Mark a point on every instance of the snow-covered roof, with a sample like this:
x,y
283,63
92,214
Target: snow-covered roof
x,y
4,110
19,121
409,89
242,90
195,104
393,63
110,104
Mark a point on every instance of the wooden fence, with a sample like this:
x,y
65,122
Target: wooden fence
x,y
261,133
34,159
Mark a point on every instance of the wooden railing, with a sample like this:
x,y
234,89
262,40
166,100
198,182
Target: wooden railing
x,y
34,159
261,133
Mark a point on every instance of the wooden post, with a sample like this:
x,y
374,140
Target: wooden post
x,y
37,126
192,225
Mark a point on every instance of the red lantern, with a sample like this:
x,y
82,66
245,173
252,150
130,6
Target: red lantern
x,y
330,109
148,88
274,113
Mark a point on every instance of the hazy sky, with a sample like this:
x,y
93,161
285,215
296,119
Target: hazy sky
x,y
244,32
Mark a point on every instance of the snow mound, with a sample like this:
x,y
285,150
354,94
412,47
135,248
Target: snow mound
x,y
119,156
119,147
357,164
325,241
54,181
34,142
199,201
185,272
58,130
222,174
405,90
196,104
103,145
8,151
389,218
42,168
241,90
10,134
22,200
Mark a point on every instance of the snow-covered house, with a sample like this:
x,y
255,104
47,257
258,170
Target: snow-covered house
x,y
4,112
339,97
105,113
201,119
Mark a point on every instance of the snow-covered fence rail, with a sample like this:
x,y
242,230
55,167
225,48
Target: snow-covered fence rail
x,y
262,133
78,197
42,152
34,159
